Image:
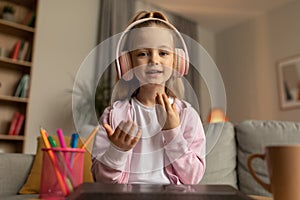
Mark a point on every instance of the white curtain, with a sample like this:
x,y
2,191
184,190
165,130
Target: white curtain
x,y
113,19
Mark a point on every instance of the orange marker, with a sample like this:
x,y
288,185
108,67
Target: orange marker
x,y
60,179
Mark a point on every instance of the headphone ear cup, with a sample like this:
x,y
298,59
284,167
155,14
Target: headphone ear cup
x,y
180,62
125,67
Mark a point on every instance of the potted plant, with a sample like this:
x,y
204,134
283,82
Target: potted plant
x,y
86,102
8,13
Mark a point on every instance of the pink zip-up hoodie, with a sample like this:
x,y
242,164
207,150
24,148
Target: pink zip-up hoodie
x,y
184,147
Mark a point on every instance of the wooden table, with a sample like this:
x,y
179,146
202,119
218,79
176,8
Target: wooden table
x,y
100,191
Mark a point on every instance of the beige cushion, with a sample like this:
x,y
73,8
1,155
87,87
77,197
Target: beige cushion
x,y
252,137
220,154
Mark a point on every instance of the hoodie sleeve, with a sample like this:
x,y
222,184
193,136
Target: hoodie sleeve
x,y
108,162
185,148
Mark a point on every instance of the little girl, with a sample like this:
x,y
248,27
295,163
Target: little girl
x,y
149,135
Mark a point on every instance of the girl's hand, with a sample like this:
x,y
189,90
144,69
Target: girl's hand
x,y
167,114
123,136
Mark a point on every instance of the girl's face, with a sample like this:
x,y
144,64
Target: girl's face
x,y
152,55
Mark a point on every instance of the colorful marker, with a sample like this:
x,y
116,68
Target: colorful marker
x,y
90,137
61,138
73,144
51,141
74,140
60,179
65,165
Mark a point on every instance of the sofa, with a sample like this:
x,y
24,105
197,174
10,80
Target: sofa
x,y
228,147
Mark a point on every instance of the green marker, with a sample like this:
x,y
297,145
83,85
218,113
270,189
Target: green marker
x,y
62,161
52,142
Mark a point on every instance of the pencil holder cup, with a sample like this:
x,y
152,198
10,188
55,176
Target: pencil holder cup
x,y
62,171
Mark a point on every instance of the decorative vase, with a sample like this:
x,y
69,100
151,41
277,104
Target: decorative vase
x,y
8,17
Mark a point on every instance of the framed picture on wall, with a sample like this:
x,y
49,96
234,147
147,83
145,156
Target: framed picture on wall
x,y
289,82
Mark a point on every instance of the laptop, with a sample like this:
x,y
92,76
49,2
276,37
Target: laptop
x,y
98,191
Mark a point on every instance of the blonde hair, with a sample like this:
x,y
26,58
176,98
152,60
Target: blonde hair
x,y
126,89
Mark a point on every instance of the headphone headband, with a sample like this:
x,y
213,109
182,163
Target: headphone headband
x,y
139,22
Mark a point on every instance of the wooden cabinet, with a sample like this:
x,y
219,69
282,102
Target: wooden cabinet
x,y
14,64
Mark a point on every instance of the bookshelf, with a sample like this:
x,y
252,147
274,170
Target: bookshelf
x,y
15,64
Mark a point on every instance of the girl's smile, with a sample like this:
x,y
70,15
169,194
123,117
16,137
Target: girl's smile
x,y
154,73
150,73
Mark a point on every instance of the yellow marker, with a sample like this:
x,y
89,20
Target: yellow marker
x,y
90,137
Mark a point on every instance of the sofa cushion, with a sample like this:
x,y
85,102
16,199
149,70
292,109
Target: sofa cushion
x,y
13,165
20,197
220,154
252,137
32,185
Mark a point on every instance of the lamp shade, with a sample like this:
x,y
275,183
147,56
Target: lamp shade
x,y
217,115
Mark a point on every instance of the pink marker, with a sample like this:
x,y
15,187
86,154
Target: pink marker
x,y
61,138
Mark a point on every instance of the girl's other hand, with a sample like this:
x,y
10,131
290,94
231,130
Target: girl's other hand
x,y
123,137
167,114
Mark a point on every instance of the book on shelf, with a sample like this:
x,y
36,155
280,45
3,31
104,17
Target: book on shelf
x,y
16,124
19,124
28,54
13,123
16,50
29,19
23,87
21,50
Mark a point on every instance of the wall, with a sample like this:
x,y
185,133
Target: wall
x,y
208,42
247,55
66,33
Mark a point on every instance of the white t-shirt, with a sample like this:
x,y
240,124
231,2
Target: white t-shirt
x,y
147,162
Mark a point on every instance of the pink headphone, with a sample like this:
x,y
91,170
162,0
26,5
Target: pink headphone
x,y
123,59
